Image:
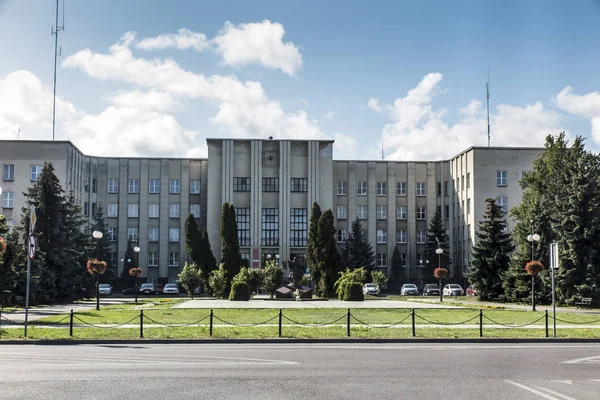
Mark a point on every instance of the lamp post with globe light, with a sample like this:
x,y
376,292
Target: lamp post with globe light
x,y
97,235
136,250
534,237
439,252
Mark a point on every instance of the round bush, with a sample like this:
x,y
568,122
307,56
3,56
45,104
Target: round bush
x,y
353,292
239,292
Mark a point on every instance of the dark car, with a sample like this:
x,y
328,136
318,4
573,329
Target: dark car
x,y
431,289
147,288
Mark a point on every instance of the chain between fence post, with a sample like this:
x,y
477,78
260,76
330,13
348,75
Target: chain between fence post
x,y
480,322
71,324
280,317
348,324
211,323
412,312
142,324
546,323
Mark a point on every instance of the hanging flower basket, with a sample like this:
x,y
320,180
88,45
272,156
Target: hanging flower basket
x,y
534,267
2,245
96,267
135,272
440,273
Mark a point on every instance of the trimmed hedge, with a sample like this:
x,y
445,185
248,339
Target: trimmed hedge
x,y
240,291
353,292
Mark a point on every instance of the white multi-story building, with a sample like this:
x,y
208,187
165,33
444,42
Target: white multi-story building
x,y
272,184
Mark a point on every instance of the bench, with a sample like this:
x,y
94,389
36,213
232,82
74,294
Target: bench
x,y
585,302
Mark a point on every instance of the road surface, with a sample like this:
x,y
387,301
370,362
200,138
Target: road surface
x,y
301,371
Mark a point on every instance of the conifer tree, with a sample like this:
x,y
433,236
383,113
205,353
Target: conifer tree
x,y
397,270
208,262
101,247
436,238
193,239
357,252
230,258
312,244
328,258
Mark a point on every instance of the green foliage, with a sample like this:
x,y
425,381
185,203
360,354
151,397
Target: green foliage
x,y
490,255
353,292
129,261
379,278
252,277
197,246
327,256
312,244
348,278
230,258
239,291
101,247
190,278
358,252
272,276
397,270
218,282
436,232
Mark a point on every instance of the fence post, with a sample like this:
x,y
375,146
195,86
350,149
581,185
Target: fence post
x,y
348,324
480,322
546,323
71,324
412,312
211,323
280,317
141,323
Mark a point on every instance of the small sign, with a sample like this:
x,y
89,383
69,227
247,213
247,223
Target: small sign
x,y
31,247
32,219
554,255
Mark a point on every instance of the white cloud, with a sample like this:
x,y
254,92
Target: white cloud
x,y
587,105
152,100
345,147
373,104
184,39
329,115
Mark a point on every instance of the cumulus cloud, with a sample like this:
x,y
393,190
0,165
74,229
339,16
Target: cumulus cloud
x,y
183,39
587,105
151,100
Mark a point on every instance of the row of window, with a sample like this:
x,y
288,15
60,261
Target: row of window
x,y
270,226
133,234
8,172
382,236
242,184
382,212
133,186
361,190
112,210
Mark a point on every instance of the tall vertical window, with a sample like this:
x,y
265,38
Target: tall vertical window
x,y
381,260
133,210
270,184
421,189
403,259
362,212
94,209
381,236
462,183
8,173
445,188
153,234
446,212
195,187
153,259
174,210
242,218
468,180
342,188
195,210
112,234
421,236
361,189
400,188
381,188
86,185
153,210
401,236
173,259
401,212
341,235
270,227
241,184
86,208
36,171
94,185
298,226
299,185
133,185
173,234
132,234
421,212
113,186
381,212
175,186
439,189
501,179
112,210
468,206
502,201
154,186
8,199
342,212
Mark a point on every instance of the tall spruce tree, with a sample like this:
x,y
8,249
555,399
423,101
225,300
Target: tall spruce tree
x,y
129,262
328,259
208,262
312,243
490,256
397,278
436,238
357,252
6,271
230,258
193,239
101,247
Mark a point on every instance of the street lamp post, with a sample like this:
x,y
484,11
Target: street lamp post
x,y
439,252
534,237
136,250
97,235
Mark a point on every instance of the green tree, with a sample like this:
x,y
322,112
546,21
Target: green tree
x,y
208,262
397,278
7,275
101,247
272,277
346,286
328,258
129,261
436,238
357,252
379,278
491,253
230,258
190,278
312,245
217,282
193,240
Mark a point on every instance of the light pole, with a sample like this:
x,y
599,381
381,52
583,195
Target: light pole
x,y
534,237
439,252
421,272
97,235
136,250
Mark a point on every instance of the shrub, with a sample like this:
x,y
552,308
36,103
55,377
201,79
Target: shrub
x,y
353,292
348,279
440,273
272,277
190,278
239,292
379,279
218,281
250,276
534,267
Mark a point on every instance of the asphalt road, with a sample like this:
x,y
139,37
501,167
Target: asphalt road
x,y
301,371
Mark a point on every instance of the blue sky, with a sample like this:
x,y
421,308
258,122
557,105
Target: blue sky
x,y
409,73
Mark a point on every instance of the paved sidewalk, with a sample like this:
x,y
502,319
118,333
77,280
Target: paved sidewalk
x,y
58,309
257,303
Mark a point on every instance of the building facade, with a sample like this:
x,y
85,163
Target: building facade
x,y
272,184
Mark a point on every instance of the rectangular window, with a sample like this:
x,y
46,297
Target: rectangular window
x,y
153,234
174,210
299,185
381,236
36,171
132,234
401,212
403,259
86,185
421,236
133,185
400,188
445,188
361,190
381,212
94,209
381,188
195,187
401,236
112,234
112,210
361,212
113,186
421,189
241,184
153,211
8,199
270,227
342,212
421,212
9,172
174,235
468,180
270,184
341,235
439,189
175,186
195,210
462,183
242,218
94,185
502,201
154,186
173,259
468,206
133,210
381,260
342,188
501,177
298,227
446,212
113,259
153,259
86,208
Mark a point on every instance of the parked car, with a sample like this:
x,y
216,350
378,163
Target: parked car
x,y
370,288
431,289
198,290
171,288
105,288
453,289
471,291
129,290
409,289
147,288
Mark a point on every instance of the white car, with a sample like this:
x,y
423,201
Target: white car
x,y
171,288
105,288
370,288
409,289
453,289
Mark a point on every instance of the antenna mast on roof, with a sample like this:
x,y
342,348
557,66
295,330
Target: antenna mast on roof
x,y
382,156
54,32
487,89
